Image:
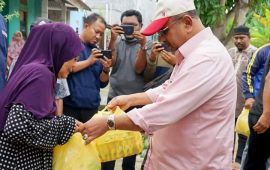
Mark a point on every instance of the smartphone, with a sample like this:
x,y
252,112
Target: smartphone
x,y
108,26
160,46
107,53
128,29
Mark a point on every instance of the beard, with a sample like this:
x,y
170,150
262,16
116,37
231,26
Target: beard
x,y
240,47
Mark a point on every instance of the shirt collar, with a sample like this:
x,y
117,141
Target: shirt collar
x,y
248,48
245,51
195,41
89,45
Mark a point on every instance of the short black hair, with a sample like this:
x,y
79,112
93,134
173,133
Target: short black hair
x,y
132,12
90,19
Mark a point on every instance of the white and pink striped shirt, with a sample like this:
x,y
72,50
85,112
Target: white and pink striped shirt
x,y
192,114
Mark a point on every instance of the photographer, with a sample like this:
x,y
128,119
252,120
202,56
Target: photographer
x,y
159,65
89,74
126,43
190,117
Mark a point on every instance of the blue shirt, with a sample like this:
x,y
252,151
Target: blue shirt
x,y
3,51
253,74
84,86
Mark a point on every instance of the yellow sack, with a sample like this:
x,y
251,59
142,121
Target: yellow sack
x,y
75,155
241,126
117,144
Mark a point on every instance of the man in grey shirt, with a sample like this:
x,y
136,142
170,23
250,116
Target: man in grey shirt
x,y
125,78
240,54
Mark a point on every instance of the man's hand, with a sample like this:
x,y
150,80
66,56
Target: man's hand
x,y
249,102
94,128
115,31
156,49
263,124
107,63
168,57
95,55
141,38
123,102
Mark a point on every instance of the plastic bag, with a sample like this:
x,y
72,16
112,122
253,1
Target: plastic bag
x,y
75,155
118,143
241,126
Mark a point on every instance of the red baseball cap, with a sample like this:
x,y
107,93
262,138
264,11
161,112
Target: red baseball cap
x,y
165,9
155,26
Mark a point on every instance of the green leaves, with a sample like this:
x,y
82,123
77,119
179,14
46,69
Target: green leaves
x,y
9,16
260,27
210,11
2,4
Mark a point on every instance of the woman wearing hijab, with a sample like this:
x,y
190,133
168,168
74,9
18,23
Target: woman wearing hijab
x,y
15,48
28,128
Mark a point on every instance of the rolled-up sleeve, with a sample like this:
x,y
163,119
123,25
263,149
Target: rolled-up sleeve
x,y
179,96
154,93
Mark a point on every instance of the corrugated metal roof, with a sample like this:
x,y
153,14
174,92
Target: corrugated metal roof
x,y
79,4
57,4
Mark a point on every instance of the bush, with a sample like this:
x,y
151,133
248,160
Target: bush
x,y
260,28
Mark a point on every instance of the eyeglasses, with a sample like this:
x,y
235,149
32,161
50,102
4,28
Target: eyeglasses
x,y
165,30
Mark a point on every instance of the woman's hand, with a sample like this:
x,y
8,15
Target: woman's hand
x,y
78,126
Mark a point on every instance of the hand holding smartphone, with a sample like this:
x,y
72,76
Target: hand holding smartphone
x,y
160,47
107,53
128,29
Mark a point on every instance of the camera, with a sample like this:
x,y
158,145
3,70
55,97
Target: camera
x,y
107,53
128,29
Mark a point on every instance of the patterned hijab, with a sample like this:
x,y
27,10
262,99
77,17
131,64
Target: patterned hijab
x,y
16,45
33,78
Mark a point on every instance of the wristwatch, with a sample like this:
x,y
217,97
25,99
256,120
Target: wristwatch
x,y
111,122
144,48
106,72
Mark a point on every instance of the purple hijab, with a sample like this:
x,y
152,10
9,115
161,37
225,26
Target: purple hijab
x,y
33,78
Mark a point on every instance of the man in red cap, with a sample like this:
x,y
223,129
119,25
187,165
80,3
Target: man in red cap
x,y
190,117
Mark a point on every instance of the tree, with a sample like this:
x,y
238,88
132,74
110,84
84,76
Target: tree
x,y
9,16
260,27
223,15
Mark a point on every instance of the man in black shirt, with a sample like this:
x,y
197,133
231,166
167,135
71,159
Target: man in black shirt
x,y
259,123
